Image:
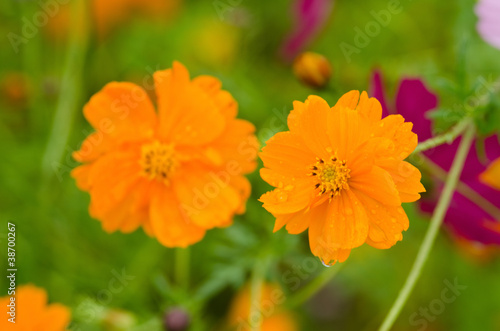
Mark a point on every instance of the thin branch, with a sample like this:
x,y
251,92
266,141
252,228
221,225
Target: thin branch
x,y
445,138
432,231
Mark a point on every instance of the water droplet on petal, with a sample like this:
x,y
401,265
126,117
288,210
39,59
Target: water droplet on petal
x,y
327,264
282,196
289,187
373,211
329,149
348,211
393,220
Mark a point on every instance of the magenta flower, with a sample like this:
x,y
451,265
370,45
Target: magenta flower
x,y
309,17
488,26
465,219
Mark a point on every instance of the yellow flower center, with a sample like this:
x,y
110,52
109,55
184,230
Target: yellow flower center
x,y
158,161
332,176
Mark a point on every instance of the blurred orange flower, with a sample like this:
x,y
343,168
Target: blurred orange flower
x,y
108,14
312,69
176,173
14,89
491,176
339,172
267,313
32,313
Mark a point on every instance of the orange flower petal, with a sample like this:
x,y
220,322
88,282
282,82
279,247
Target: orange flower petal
x,y
125,215
289,198
223,99
123,111
386,223
491,176
208,198
363,157
328,251
33,312
295,223
95,145
285,153
187,114
55,318
348,100
395,128
369,107
312,126
346,131
111,178
239,145
405,176
347,223
377,184
170,225
81,176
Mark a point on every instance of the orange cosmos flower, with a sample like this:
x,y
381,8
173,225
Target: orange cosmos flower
x,y
339,172
268,313
176,173
32,313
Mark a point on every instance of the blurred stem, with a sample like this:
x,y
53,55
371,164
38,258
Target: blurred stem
x,y
432,231
447,137
463,189
70,89
182,274
256,285
313,286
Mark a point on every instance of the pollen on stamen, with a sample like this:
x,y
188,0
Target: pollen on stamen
x,y
158,161
332,176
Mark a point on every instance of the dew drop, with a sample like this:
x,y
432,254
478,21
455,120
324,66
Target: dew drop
x,y
393,220
348,211
373,211
280,184
327,264
329,149
282,196
289,187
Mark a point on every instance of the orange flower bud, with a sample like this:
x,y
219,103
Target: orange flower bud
x,y
312,69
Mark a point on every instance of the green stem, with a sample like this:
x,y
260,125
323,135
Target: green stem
x,y
70,90
447,137
430,236
182,275
313,287
256,285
